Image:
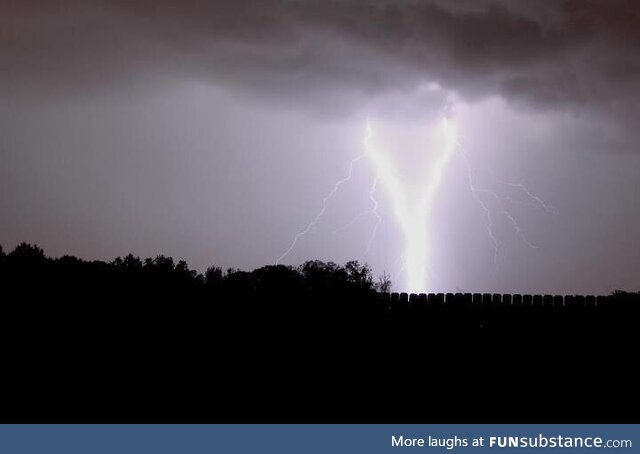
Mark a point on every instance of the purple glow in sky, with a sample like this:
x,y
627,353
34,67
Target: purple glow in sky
x,y
214,131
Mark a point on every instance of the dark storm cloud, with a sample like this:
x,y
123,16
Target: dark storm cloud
x,y
560,53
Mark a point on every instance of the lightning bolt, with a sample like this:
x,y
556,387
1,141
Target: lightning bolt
x,y
373,211
362,214
412,215
401,265
546,208
515,225
325,203
412,218
487,212
501,204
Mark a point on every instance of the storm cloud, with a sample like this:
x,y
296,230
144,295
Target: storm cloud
x,y
562,54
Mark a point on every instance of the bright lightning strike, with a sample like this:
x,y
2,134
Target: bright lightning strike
x,y
487,212
413,218
374,211
515,225
413,208
535,198
325,202
503,210
362,214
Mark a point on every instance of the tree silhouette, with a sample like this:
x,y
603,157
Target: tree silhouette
x,y
3,258
213,277
27,255
359,275
90,337
383,284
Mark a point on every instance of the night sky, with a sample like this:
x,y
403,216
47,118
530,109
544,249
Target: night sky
x,y
213,132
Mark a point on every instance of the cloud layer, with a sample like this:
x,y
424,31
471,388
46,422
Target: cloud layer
x,y
563,54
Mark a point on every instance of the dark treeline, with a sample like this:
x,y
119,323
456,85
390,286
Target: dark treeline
x,y
162,277
152,340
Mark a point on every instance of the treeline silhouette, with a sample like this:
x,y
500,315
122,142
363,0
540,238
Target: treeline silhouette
x,y
152,340
162,278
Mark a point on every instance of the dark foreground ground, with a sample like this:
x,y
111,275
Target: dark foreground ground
x,y
90,342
